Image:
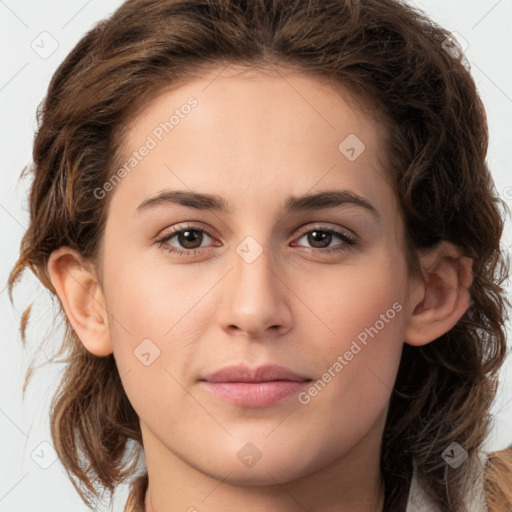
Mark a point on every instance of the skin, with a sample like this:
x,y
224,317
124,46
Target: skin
x,y
255,139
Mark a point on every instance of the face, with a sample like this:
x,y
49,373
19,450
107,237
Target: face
x,y
257,275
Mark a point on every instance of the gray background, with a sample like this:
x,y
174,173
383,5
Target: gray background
x,y
30,478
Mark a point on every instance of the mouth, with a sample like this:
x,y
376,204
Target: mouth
x,y
259,387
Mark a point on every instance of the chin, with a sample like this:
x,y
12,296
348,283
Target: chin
x,y
272,467
262,475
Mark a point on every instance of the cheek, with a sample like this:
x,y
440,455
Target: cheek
x,y
360,324
154,320
354,299
147,309
150,300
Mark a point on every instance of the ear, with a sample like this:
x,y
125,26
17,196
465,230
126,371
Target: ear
x,y
441,297
82,299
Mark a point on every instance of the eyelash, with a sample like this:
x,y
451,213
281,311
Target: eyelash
x,y
348,244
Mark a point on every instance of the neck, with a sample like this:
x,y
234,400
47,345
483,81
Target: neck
x,y
373,503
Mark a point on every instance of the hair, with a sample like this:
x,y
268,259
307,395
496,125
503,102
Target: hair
x,y
391,58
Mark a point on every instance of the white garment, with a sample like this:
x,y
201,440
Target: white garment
x,y
474,502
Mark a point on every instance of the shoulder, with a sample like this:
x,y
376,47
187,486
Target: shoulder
x,y
488,481
498,480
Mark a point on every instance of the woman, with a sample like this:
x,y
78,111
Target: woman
x,y
333,340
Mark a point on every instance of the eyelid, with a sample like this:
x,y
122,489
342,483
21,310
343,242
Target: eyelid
x,y
183,226
325,227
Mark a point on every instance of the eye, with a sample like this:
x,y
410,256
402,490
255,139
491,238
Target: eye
x,y
190,238
320,237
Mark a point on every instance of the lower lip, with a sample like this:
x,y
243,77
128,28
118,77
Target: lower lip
x,y
255,394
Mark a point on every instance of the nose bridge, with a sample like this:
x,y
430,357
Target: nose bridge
x,y
253,268
254,297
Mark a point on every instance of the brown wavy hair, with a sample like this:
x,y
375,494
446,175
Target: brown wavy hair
x,y
395,63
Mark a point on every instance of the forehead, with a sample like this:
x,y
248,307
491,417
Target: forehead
x,y
248,136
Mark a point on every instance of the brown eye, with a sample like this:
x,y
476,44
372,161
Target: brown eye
x,y
320,240
189,241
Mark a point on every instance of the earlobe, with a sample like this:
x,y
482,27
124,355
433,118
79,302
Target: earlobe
x,y
82,299
442,297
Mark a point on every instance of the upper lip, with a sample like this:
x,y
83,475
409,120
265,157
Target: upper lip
x,y
265,373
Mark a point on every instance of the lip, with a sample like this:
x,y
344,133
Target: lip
x,y
254,387
265,373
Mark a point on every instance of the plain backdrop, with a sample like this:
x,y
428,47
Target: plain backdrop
x,y
35,37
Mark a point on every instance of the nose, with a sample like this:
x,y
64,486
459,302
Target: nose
x,y
256,298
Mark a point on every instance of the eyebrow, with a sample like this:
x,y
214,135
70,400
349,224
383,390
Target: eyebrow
x,y
213,202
